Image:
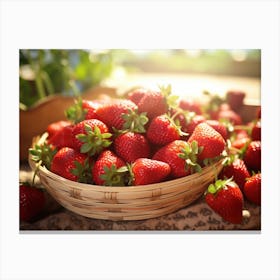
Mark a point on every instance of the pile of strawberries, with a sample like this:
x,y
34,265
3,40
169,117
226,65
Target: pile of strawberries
x,y
150,137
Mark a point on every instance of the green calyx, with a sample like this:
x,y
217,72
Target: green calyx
x,y
135,122
76,113
93,140
82,171
220,184
189,154
43,154
114,176
171,100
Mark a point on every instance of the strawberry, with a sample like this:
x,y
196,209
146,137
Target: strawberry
x,y
219,127
148,171
109,170
190,105
256,131
54,127
226,199
235,99
241,139
90,107
62,138
112,113
154,103
237,170
252,189
131,146
192,122
71,165
207,137
32,202
229,115
163,130
91,136
137,94
252,157
181,157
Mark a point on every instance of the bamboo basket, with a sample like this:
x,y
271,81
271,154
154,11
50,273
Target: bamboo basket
x,y
126,203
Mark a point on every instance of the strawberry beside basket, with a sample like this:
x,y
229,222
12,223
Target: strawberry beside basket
x,y
127,202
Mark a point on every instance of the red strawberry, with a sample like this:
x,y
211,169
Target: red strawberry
x,y
256,131
241,139
112,113
106,170
252,189
226,199
71,164
62,138
238,170
163,130
154,103
229,115
192,123
190,105
90,107
54,127
131,146
252,157
235,99
180,156
221,128
137,94
207,137
148,171
32,202
91,136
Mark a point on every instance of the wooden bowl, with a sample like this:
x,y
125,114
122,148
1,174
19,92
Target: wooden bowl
x,y
126,203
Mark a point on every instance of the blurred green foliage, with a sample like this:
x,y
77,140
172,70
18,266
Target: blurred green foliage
x,y
65,72
71,72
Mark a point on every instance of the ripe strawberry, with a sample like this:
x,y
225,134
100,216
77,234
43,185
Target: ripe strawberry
x,y
91,136
163,130
236,169
181,157
207,137
219,127
252,157
241,139
90,107
131,146
71,164
226,199
192,123
235,99
109,170
256,131
148,171
154,103
136,95
190,105
229,115
32,202
112,113
252,189
62,138
81,110
54,127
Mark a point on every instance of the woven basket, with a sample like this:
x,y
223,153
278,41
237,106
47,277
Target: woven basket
x,y
126,203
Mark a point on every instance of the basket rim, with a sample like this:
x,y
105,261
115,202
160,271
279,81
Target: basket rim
x,y
139,188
